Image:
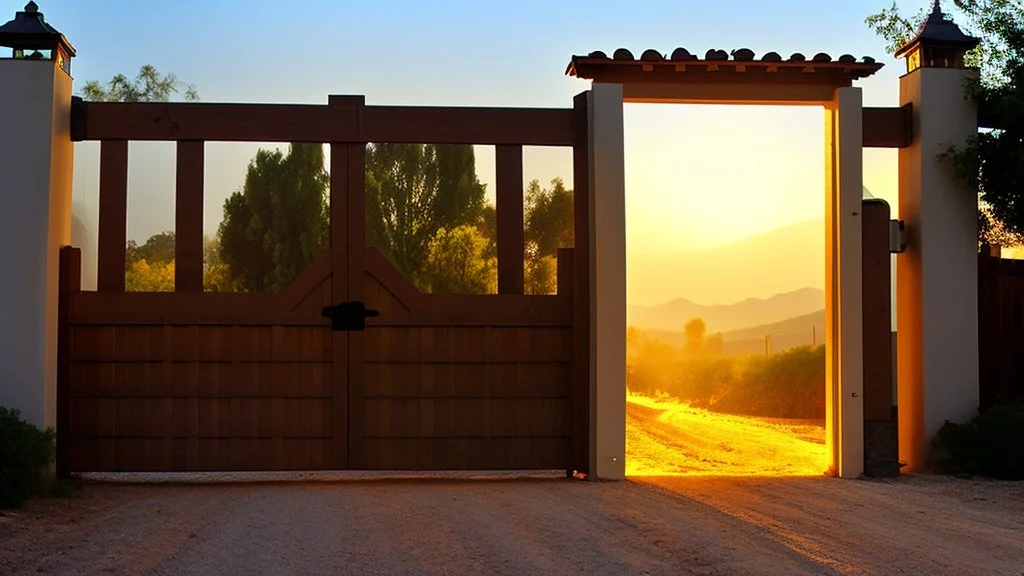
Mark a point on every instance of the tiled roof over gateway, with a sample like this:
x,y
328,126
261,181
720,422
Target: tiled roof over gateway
x,y
719,65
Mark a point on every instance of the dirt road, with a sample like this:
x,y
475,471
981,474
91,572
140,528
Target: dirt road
x,y
667,438
330,524
677,525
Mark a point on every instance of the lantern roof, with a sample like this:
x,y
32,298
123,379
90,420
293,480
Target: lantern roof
x,y
939,29
30,30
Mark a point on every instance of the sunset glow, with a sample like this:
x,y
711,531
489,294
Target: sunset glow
x,y
666,438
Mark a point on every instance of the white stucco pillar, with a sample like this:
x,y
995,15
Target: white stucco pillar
x,y
843,287
937,277
608,282
36,157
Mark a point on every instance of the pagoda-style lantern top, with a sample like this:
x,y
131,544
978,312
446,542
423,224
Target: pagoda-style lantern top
x,y
31,38
939,43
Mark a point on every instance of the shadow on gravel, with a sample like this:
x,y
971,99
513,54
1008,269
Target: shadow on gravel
x,y
374,477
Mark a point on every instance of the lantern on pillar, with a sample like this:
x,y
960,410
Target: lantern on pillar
x,y
939,43
31,38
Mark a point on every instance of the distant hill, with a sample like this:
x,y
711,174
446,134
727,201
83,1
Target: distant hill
x,y
780,261
803,323
798,331
724,318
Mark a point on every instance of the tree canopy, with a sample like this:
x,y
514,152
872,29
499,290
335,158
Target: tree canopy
x,y
148,86
426,211
158,248
457,263
992,161
413,191
150,267
278,223
549,226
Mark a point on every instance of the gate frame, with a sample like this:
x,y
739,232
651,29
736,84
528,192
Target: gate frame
x,y
938,372
849,127
347,124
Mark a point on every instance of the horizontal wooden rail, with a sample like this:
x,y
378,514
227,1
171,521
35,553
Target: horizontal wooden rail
x,y
247,309
337,122
888,127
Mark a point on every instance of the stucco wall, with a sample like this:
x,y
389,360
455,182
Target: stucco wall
x,y
608,281
34,168
937,294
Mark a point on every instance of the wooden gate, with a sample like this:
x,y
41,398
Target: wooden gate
x,y
190,381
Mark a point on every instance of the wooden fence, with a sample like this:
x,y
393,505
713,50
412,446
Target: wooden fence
x,y
1000,327
249,381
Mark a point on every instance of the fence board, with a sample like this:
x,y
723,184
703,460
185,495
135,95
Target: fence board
x,y
113,220
1000,328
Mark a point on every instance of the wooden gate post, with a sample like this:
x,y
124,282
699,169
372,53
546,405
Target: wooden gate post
x,y
881,444
36,162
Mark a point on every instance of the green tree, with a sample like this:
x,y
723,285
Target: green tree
x,y
150,267
549,226
488,225
992,161
148,86
549,217
456,263
460,193
412,192
216,274
278,223
158,249
695,331
143,276
541,274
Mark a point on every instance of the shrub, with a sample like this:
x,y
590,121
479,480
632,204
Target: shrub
x,y
25,452
790,384
991,444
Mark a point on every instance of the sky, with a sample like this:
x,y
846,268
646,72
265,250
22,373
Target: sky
x,y
697,177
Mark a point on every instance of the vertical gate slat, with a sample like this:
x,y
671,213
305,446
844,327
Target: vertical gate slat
x,y
347,416
339,293
580,445
70,283
509,205
113,217
188,217
356,273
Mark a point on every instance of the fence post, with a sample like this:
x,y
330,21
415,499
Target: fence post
x,y
36,163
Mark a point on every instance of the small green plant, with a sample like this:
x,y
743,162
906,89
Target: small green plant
x,y
25,453
991,444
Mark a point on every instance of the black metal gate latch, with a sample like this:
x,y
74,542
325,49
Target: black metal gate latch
x,y
349,316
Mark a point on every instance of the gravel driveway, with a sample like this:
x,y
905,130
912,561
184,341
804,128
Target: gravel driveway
x,y
353,525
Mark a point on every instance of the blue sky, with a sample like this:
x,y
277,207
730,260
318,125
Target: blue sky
x,y
448,52
684,191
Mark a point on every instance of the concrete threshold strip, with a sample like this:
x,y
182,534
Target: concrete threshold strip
x,y
288,477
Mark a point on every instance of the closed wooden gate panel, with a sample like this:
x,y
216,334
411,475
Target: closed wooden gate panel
x,y
463,382
196,382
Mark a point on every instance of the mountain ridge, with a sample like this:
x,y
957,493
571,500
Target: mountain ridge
x,y
747,313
